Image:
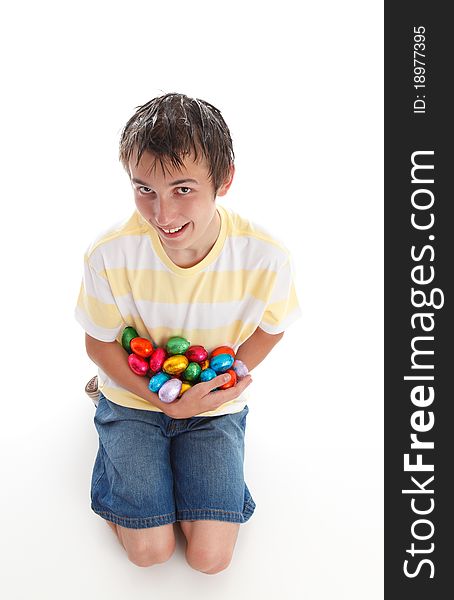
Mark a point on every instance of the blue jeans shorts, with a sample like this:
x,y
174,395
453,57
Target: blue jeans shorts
x,y
152,470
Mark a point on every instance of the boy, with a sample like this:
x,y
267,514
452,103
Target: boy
x,y
180,265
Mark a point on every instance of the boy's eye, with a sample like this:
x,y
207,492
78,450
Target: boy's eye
x,y
142,187
182,191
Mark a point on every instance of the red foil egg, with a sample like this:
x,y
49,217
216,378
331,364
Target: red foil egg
x,y
196,354
230,383
142,347
138,364
157,359
223,350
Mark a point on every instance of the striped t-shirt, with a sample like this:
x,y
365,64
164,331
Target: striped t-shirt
x,y
244,282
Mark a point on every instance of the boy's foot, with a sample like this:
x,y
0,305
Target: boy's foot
x,y
91,390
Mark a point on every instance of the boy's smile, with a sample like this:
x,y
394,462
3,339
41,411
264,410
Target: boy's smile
x,y
180,204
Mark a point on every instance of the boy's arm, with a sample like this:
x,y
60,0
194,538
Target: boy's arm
x,y
256,347
113,360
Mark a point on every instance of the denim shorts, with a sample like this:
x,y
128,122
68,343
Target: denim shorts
x,y
152,470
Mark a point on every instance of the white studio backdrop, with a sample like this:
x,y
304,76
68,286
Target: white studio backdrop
x,y
300,86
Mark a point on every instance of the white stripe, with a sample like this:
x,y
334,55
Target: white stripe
x,y
97,286
282,326
282,284
239,253
248,253
197,315
127,251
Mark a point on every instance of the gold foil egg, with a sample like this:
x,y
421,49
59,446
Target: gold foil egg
x,y
175,365
184,388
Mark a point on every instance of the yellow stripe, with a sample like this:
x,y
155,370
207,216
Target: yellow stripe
x,y
235,225
241,226
212,286
237,332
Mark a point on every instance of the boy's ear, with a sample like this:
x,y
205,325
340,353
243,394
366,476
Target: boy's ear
x,y
222,191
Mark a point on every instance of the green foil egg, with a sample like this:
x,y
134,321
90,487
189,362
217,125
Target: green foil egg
x,y
129,333
192,372
177,345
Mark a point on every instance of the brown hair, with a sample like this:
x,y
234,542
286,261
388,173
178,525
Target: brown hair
x,y
173,126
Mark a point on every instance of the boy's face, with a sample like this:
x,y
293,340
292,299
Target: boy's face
x,y
181,199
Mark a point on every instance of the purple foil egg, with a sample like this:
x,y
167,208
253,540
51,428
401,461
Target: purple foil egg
x,y
240,368
170,390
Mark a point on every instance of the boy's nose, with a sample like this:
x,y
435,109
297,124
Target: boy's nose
x,y
164,212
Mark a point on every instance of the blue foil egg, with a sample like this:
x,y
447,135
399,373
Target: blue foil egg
x,y
157,381
207,374
221,363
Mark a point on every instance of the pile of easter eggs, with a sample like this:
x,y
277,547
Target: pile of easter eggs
x,y
177,367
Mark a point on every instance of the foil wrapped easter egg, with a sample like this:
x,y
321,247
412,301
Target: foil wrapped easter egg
x,y
223,350
207,374
170,390
240,368
138,364
196,354
141,346
231,383
176,364
128,334
192,371
157,359
157,381
177,345
205,364
221,362
184,388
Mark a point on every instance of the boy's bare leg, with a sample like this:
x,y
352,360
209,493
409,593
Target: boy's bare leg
x,y
210,544
146,547
115,530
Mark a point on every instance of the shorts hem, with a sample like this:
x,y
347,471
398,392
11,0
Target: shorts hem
x,y
135,522
213,514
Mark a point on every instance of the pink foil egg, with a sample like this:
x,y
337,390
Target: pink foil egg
x,y
157,359
138,364
196,354
170,390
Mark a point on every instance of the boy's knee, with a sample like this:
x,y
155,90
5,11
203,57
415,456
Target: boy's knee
x,y
144,555
208,561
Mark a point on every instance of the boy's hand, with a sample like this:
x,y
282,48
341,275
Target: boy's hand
x,y
199,399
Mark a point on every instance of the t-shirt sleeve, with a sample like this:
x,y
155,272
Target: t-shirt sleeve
x,y
96,308
282,308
